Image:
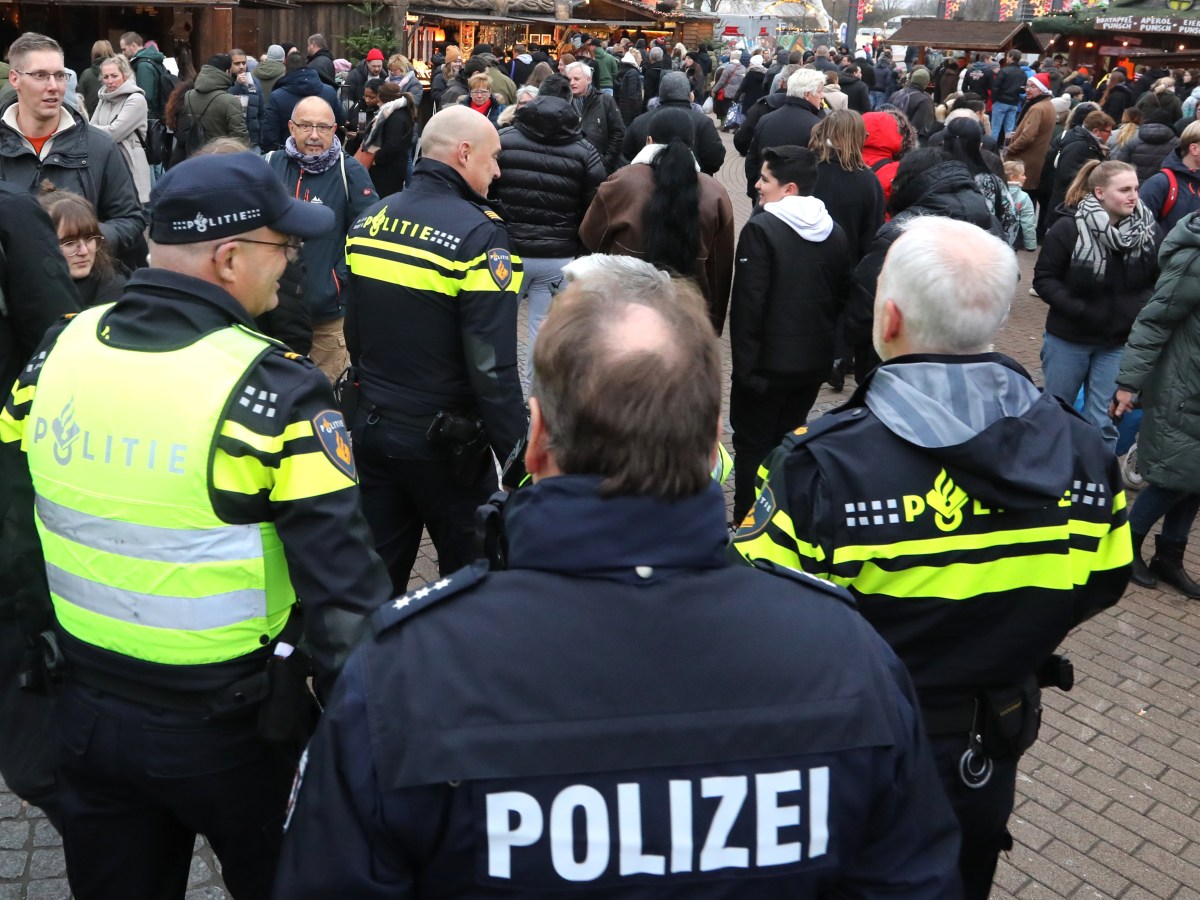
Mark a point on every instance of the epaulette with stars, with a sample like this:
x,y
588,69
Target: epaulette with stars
x,y
413,602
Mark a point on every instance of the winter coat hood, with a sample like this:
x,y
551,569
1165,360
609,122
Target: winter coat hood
x,y
883,137
549,120
977,422
303,82
270,69
212,79
945,185
1156,133
129,86
806,216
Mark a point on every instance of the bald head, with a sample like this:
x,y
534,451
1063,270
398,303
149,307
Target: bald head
x,y
313,125
467,142
313,107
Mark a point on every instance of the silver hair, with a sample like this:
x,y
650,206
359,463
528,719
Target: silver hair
x,y
627,275
803,82
656,54
952,281
527,90
578,65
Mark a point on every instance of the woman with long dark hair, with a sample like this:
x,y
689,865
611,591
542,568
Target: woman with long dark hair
x,y
963,141
661,208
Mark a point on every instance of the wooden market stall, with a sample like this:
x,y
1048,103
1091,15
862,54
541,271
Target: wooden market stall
x,y
969,37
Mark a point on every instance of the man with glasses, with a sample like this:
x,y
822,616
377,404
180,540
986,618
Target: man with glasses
x,y
314,168
42,139
193,481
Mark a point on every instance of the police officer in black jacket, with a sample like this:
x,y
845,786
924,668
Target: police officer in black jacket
x,y
433,335
621,714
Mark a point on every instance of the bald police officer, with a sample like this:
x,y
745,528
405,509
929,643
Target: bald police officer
x,y
622,714
433,334
194,488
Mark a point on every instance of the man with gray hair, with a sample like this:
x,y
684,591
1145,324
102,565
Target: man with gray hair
x,y
534,765
601,120
792,123
995,526
652,71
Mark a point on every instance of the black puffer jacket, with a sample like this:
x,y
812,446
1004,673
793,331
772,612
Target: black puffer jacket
x,y
548,176
1147,150
1078,146
948,190
792,123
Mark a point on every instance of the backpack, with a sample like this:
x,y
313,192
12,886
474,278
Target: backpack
x,y
1172,193
164,83
190,133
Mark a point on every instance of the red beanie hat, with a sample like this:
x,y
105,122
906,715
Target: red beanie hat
x,y
375,54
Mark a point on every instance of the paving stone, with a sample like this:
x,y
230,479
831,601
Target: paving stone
x,y
13,834
10,806
47,863
45,834
54,889
12,864
12,891
199,872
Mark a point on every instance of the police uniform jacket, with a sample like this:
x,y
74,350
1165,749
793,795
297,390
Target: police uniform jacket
x,y
997,524
625,714
433,326
268,463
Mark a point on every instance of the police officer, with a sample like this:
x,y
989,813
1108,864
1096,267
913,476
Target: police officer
x,y
996,526
194,488
433,334
622,714
35,292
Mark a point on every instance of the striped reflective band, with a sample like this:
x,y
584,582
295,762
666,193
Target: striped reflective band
x,y
175,613
184,546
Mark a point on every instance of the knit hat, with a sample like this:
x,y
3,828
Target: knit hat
x,y
756,60
629,58
275,52
674,86
341,65
1042,80
745,58
920,78
1062,105
375,54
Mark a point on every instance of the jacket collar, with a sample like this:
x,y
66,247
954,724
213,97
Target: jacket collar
x,y
858,398
562,524
18,144
435,177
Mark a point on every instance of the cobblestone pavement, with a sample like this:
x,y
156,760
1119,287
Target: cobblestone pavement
x,y
1108,799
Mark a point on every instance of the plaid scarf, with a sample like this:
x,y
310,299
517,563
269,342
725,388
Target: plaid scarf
x,y
1099,238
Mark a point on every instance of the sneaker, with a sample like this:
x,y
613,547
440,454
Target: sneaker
x,y
1129,471
1033,293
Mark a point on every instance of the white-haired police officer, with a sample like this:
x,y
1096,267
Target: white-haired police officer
x,y
193,486
621,713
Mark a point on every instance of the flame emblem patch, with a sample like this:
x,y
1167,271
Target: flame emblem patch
x,y
500,265
334,437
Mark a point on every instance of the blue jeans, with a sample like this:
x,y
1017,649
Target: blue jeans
x,y
608,91
1067,367
878,98
543,275
1175,508
1004,120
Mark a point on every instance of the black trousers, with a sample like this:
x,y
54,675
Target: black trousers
x,y
402,496
759,422
26,730
982,814
137,784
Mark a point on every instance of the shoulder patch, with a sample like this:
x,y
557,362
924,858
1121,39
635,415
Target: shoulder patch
x,y
828,422
330,429
396,611
499,263
492,214
812,582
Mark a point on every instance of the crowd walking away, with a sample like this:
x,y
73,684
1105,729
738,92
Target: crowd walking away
x,y
294,501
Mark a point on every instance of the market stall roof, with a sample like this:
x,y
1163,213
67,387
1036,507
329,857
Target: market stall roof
x,y
682,12
457,13
950,34
1135,18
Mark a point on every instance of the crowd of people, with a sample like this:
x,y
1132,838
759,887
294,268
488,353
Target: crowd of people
x,y
316,288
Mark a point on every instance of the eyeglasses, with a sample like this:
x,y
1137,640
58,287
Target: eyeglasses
x,y
319,128
291,248
43,77
482,92
74,246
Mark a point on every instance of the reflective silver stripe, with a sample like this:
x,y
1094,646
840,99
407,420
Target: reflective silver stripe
x,y
182,546
177,613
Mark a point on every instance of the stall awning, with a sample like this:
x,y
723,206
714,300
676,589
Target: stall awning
x,y
550,20
465,15
950,34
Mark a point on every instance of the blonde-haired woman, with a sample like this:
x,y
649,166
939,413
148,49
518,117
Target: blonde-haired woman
x,y
121,113
402,74
89,79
